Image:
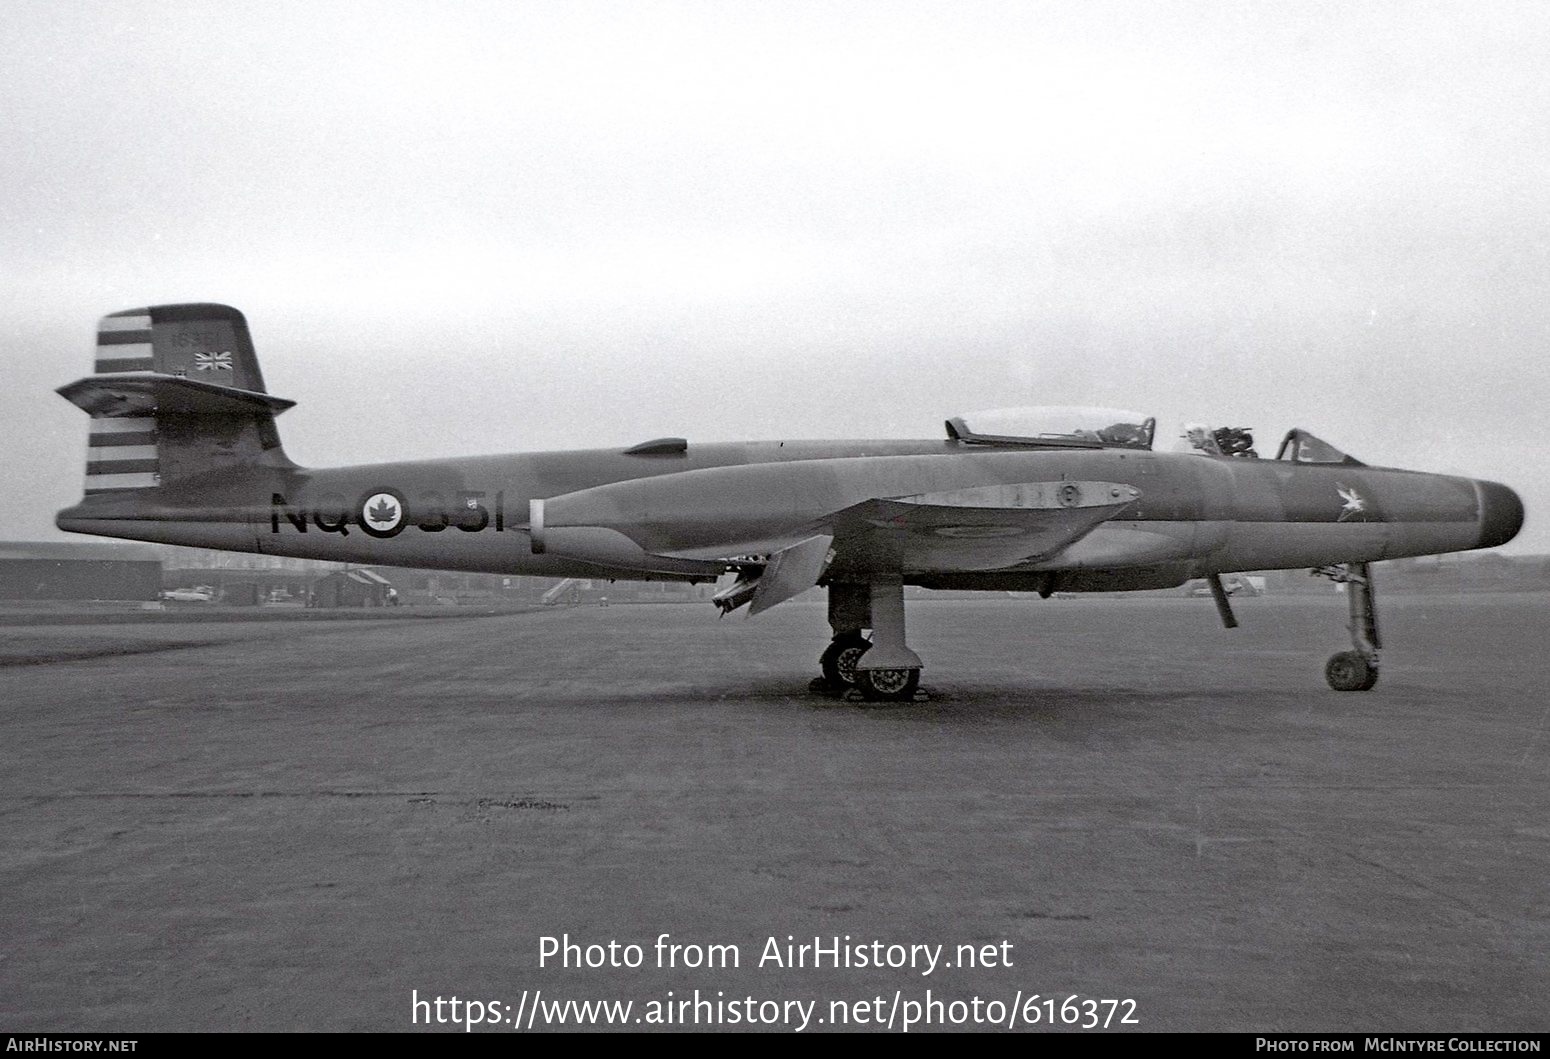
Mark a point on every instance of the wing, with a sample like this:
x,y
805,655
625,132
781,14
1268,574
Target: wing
x,y
848,518
985,528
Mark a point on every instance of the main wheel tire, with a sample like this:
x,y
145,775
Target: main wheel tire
x,y
840,657
887,685
1350,671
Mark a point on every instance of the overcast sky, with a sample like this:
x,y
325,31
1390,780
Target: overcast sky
x,y
483,227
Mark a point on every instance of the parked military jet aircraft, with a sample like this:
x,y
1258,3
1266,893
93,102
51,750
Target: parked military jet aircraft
x,y
183,450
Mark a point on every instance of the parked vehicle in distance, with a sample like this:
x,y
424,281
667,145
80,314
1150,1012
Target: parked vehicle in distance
x,y
1235,584
200,594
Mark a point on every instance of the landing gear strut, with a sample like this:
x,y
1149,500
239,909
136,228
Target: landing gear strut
x,y
883,668
1357,669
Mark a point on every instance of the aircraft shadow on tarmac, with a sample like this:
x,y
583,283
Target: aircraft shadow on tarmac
x,y
951,701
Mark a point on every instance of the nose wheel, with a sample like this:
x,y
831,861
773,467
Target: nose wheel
x,y
1351,671
1356,669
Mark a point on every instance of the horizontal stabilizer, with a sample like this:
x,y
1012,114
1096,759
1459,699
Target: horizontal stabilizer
x,y
141,393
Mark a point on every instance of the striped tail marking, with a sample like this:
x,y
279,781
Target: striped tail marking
x,y
121,452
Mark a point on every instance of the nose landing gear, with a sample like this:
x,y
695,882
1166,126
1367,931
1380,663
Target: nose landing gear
x,y
1357,669
1351,671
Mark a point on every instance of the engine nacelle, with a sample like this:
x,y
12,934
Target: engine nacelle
x,y
606,547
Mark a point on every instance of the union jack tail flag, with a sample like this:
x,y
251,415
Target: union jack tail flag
x,y
212,361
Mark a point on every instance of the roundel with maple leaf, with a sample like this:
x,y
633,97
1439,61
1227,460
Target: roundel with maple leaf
x,y
383,513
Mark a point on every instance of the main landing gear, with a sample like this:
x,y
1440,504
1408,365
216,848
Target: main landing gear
x,y
1357,669
839,658
883,668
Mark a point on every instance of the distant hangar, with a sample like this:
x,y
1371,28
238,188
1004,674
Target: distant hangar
x,y
85,570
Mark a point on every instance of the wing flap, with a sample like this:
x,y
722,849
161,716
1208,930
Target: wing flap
x,y
790,572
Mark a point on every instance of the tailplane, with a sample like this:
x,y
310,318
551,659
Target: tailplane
x,y
177,394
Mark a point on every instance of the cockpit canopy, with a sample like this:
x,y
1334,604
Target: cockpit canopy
x,y
1056,427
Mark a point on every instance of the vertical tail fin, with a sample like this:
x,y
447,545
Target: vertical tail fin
x,y
177,393
206,342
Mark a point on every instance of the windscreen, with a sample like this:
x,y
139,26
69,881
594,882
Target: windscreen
x,y
1299,446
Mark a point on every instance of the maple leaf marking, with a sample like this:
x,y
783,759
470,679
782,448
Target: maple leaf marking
x,y
383,510
1354,503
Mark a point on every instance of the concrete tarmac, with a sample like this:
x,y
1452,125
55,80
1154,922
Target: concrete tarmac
x,y
295,825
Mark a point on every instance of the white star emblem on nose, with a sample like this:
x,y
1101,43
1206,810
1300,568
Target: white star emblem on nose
x,y
1353,502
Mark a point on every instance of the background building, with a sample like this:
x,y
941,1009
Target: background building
x,y
79,570
351,588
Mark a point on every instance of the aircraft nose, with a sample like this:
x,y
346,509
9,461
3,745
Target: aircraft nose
x,y
1501,514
